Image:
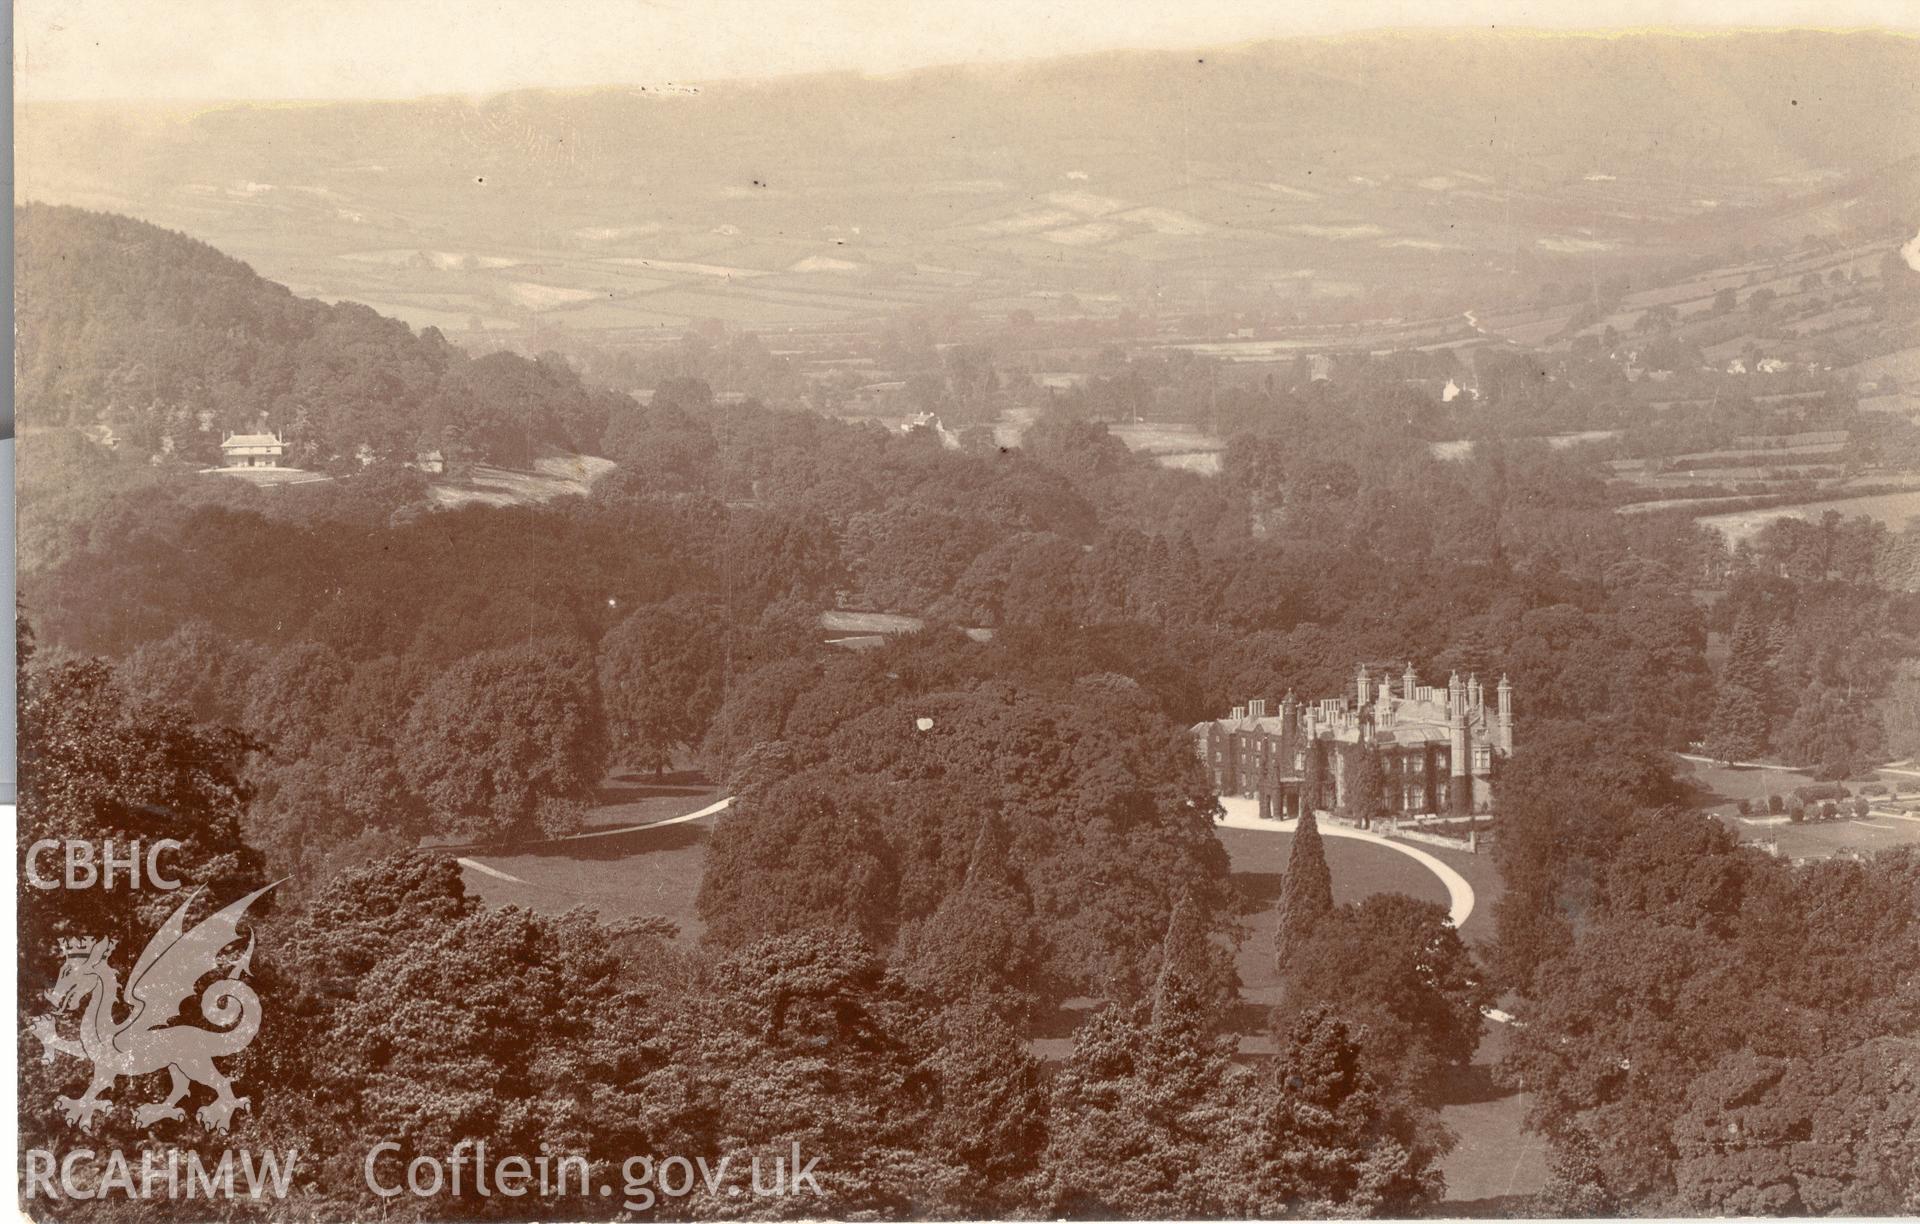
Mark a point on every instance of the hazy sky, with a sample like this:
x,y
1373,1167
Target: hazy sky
x,y
216,49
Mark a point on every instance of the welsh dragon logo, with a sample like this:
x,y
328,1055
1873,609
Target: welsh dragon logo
x,y
174,960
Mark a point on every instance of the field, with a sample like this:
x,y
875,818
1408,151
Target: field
x,y
1173,446
1164,438
554,476
1838,837
1902,366
1893,509
870,622
267,477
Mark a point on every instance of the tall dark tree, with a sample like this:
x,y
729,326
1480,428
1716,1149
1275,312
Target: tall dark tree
x,y
1191,964
1738,730
512,1015
1574,1182
1366,786
106,772
503,741
807,1038
1396,968
1147,1118
97,766
1833,1134
1833,732
981,942
1333,1142
1307,895
1748,654
660,680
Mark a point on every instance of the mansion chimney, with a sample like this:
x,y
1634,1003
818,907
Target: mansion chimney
x,y
1503,736
1457,726
1364,686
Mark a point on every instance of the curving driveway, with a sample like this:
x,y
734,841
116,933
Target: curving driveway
x,y
476,865
1242,813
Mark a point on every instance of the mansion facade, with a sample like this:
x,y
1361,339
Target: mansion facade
x,y
1436,746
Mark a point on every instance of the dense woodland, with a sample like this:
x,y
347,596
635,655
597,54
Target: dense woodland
x,y
172,345
940,841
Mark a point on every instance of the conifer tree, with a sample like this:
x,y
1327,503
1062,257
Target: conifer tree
x,y
1192,970
1183,951
1339,1143
1741,727
1307,895
1749,658
1738,729
980,942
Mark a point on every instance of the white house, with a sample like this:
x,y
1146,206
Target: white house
x,y
253,450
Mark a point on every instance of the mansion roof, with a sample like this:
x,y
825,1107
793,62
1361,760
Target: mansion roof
x,y
1421,718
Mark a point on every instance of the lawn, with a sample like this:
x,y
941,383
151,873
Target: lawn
x,y
553,476
1825,839
1721,785
1496,1164
633,873
632,797
1718,788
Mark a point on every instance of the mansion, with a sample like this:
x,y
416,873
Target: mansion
x,y
1436,746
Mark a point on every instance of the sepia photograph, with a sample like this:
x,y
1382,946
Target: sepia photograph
x,y
958,610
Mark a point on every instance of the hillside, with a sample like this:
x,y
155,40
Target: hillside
x,y
162,344
1468,165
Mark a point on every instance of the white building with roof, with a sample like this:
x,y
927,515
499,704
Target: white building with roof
x,y
256,450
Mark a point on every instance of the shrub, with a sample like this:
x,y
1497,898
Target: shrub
x,y
1797,813
1819,791
1828,811
1860,806
1746,806
1775,803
